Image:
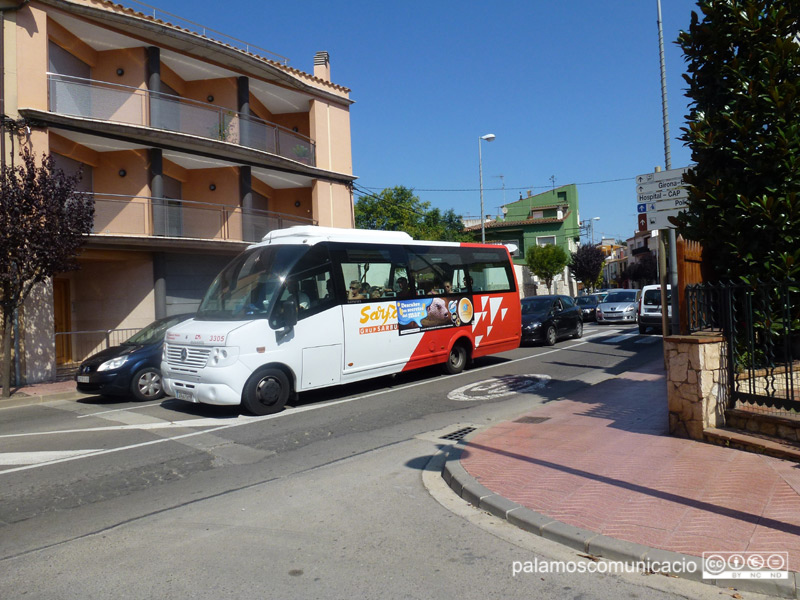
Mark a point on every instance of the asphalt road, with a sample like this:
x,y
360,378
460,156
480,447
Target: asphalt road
x,y
328,499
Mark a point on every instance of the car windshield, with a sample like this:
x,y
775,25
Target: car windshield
x,y
626,296
653,297
586,300
248,287
154,332
536,305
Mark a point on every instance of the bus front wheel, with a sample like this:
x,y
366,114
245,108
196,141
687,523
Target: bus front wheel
x,y
457,360
266,392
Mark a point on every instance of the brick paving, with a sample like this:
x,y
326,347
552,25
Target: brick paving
x,y
603,461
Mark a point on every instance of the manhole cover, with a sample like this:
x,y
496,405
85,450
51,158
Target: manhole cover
x,y
499,387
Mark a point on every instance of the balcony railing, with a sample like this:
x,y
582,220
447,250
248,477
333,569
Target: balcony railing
x,y
167,217
124,104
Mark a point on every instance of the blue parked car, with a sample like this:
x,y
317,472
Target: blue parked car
x,y
132,368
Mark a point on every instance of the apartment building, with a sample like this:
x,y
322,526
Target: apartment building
x,y
193,145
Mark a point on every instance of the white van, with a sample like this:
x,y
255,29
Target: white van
x,y
650,307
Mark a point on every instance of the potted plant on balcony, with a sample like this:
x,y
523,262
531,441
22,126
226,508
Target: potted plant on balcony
x,y
301,151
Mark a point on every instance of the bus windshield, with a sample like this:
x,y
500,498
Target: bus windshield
x,y
248,287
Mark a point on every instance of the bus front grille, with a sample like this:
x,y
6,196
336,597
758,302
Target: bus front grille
x,y
187,356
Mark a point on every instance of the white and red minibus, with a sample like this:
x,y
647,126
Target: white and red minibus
x,y
310,307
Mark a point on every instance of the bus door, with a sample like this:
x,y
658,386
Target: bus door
x,y
319,328
374,278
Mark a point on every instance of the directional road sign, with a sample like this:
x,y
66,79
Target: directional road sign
x,y
660,196
660,220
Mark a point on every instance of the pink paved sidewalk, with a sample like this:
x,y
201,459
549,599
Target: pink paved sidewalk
x,y
603,461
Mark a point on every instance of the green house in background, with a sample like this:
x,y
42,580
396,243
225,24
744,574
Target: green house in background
x,y
547,218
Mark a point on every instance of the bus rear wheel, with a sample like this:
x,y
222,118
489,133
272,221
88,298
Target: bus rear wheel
x,y
266,392
457,359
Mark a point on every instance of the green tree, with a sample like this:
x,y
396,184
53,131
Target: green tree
x,y
546,262
398,209
587,264
43,224
644,271
744,132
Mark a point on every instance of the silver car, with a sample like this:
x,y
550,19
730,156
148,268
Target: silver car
x,y
618,307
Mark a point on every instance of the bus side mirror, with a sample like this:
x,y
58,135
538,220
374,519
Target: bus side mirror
x,y
287,319
289,313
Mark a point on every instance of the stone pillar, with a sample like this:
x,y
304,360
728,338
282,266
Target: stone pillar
x,y
697,383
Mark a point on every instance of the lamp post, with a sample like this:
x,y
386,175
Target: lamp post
x,y
589,224
592,224
488,137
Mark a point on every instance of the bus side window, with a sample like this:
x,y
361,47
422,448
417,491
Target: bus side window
x,y
314,283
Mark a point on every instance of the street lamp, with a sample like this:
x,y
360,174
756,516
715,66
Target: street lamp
x,y
589,224
592,225
488,137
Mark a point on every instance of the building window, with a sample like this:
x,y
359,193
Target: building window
x,y
546,240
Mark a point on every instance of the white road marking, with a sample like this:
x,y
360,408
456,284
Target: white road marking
x,y
620,338
105,412
491,389
32,458
648,340
188,423
243,420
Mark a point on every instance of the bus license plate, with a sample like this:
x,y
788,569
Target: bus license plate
x,y
181,395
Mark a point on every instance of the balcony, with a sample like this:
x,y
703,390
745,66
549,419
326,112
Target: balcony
x,y
103,101
143,216
640,250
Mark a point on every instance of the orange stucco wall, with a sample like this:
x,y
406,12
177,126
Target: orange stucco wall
x,y
133,61
223,91
330,128
32,58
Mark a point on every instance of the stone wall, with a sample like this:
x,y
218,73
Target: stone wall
x,y
697,383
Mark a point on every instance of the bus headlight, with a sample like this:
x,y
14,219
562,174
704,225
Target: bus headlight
x,y
223,356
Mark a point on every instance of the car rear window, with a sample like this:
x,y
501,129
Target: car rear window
x,y
653,297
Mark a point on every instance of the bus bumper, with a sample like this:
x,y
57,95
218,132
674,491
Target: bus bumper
x,y
219,394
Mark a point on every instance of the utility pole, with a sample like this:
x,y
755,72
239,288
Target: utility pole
x,y
503,184
670,233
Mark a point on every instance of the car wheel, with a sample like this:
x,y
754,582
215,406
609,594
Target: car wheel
x,y
146,384
266,392
457,359
550,336
578,330
642,328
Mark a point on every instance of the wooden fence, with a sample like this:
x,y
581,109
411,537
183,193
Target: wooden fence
x,y
690,259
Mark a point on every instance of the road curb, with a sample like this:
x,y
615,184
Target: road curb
x,y
589,542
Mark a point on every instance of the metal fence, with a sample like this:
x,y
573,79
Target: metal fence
x,y
73,347
761,326
135,106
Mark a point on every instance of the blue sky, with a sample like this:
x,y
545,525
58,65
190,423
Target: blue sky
x,y
571,89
